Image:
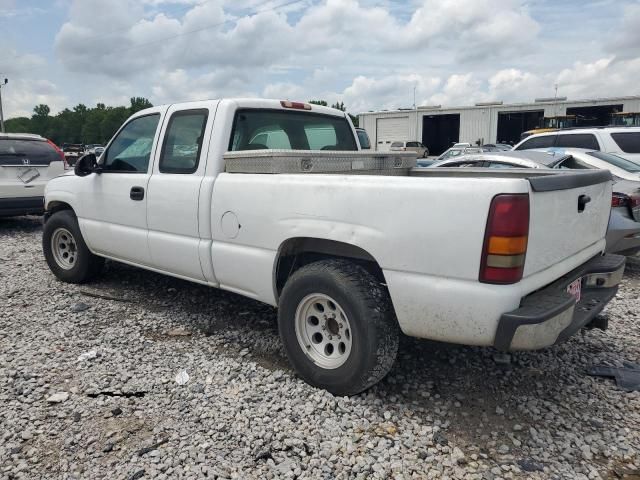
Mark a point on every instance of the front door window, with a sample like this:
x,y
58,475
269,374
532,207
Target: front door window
x,y
131,149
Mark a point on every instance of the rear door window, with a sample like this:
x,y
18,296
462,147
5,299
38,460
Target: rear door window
x,y
255,129
183,142
18,152
544,141
578,140
629,142
413,144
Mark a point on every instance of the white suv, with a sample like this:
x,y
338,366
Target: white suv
x,y
27,163
622,141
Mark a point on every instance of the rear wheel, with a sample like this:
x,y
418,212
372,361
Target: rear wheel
x,y
338,327
65,251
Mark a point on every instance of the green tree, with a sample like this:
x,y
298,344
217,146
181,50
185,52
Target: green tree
x,y
319,102
139,103
40,119
113,118
18,125
339,106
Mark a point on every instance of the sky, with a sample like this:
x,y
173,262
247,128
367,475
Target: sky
x,y
369,54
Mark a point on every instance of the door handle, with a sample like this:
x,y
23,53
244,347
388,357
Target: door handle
x,y
136,193
582,202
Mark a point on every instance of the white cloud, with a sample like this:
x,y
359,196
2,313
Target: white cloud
x,y
626,43
369,54
388,92
26,87
179,86
480,28
20,96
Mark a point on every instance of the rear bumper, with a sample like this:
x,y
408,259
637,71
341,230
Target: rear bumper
x,y
550,316
21,206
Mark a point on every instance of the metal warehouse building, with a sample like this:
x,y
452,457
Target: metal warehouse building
x,y
493,122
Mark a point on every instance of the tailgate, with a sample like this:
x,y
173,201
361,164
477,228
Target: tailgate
x,y
569,213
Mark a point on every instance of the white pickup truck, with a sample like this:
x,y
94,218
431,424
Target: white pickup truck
x,y
203,191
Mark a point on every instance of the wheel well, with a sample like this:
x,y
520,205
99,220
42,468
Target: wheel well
x,y
54,207
298,252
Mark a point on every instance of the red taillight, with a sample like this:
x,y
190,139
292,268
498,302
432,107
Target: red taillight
x,y
296,105
60,153
505,239
619,200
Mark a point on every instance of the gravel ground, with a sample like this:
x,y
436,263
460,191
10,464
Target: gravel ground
x,y
443,412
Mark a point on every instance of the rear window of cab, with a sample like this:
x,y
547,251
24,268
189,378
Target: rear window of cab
x,y
257,129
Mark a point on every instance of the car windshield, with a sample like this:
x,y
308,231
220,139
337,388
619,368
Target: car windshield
x,y
397,144
617,161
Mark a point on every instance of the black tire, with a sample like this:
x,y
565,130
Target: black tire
x,y
86,266
366,303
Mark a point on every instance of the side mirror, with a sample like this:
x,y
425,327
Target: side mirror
x,y
86,165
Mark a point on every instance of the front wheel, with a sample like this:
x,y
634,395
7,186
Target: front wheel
x,y
66,253
337,326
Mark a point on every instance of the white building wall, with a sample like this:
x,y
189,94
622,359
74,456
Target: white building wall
x,y
482,122
475,125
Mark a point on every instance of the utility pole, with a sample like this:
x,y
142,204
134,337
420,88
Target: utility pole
x,y
1,114
415,107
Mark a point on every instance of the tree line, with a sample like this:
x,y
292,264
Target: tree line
x,y
78,125
338,106
85,125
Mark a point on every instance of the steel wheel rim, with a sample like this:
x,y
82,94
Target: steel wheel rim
x,y
64,248
323,331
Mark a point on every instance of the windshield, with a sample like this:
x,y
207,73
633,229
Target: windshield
x,y
617,161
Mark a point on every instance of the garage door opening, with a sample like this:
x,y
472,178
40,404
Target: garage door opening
x,y
598,116
439,132
512,124
389,130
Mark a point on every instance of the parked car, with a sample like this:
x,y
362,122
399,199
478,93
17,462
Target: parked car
x,y
417,147
425,162
457,151
96,150
350,260
73,151
502,147
623,233
622,141
27,162
525,159
363,138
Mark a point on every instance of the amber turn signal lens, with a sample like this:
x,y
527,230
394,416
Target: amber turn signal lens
x,y
507,245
